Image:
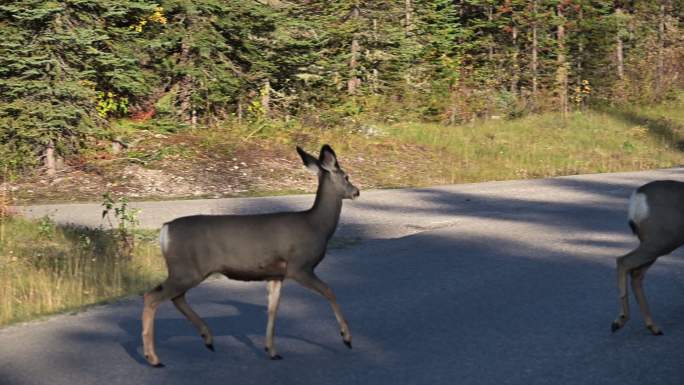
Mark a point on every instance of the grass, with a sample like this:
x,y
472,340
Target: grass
x,y
546,145
45,269
411,154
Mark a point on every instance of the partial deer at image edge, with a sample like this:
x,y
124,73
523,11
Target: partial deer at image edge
x,y
656,216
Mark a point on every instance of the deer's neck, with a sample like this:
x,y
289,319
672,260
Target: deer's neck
x,y
326,209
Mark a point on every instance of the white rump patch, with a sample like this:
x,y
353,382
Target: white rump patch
x,y
638,207
164,238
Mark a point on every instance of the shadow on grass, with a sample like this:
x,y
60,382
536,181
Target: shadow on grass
x,y
663,129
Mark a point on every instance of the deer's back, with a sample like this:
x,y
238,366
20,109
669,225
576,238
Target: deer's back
x,y
250,247
660,215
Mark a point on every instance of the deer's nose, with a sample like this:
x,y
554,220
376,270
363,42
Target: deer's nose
x,y
356,194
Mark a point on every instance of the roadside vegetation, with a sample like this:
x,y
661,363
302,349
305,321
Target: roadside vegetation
x,y
546,145
177,98
46,269
244,160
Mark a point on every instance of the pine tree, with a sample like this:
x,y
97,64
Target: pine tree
x,y
67,68
56,65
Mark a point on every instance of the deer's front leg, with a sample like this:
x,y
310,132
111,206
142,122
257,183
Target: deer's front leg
x,y
311,281
273,301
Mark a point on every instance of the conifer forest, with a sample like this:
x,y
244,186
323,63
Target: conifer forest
x,y
69,68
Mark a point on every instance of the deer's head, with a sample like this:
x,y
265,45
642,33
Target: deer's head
x,y
329,171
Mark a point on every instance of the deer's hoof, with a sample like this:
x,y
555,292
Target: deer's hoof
x,y
655,330
346,338
210,347
615,326
276,357
154,361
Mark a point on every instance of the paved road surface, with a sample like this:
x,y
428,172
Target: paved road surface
x,y
492,283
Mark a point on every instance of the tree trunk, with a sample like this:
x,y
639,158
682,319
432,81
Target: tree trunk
x,y
515,76
408,17
460,7
185,86
580,56
374,76
562,69
354,82
49,160
535,49
619,49
375,30
490,18
266,98
660,70
620,58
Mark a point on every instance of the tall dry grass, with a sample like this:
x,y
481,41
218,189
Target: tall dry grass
x,y
46,268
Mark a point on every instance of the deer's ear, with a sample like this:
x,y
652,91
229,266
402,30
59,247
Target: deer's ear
x,y
309,161
327,159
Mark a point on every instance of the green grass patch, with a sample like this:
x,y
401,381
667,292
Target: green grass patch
x,y
546,145
46,269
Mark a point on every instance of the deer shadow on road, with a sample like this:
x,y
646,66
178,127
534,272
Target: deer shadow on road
x,y
245,321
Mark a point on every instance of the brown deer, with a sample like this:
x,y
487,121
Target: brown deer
x,y
266,247
656,216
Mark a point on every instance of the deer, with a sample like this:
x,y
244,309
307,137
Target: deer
x,y
656,217
263,247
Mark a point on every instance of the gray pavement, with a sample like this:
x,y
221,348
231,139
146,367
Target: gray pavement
x,y
490,283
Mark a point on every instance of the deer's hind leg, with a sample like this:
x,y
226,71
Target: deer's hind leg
x,y
643,255
183,307
167,290
638,289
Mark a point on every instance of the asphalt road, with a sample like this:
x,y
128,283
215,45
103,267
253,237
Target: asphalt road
x,y
491,283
